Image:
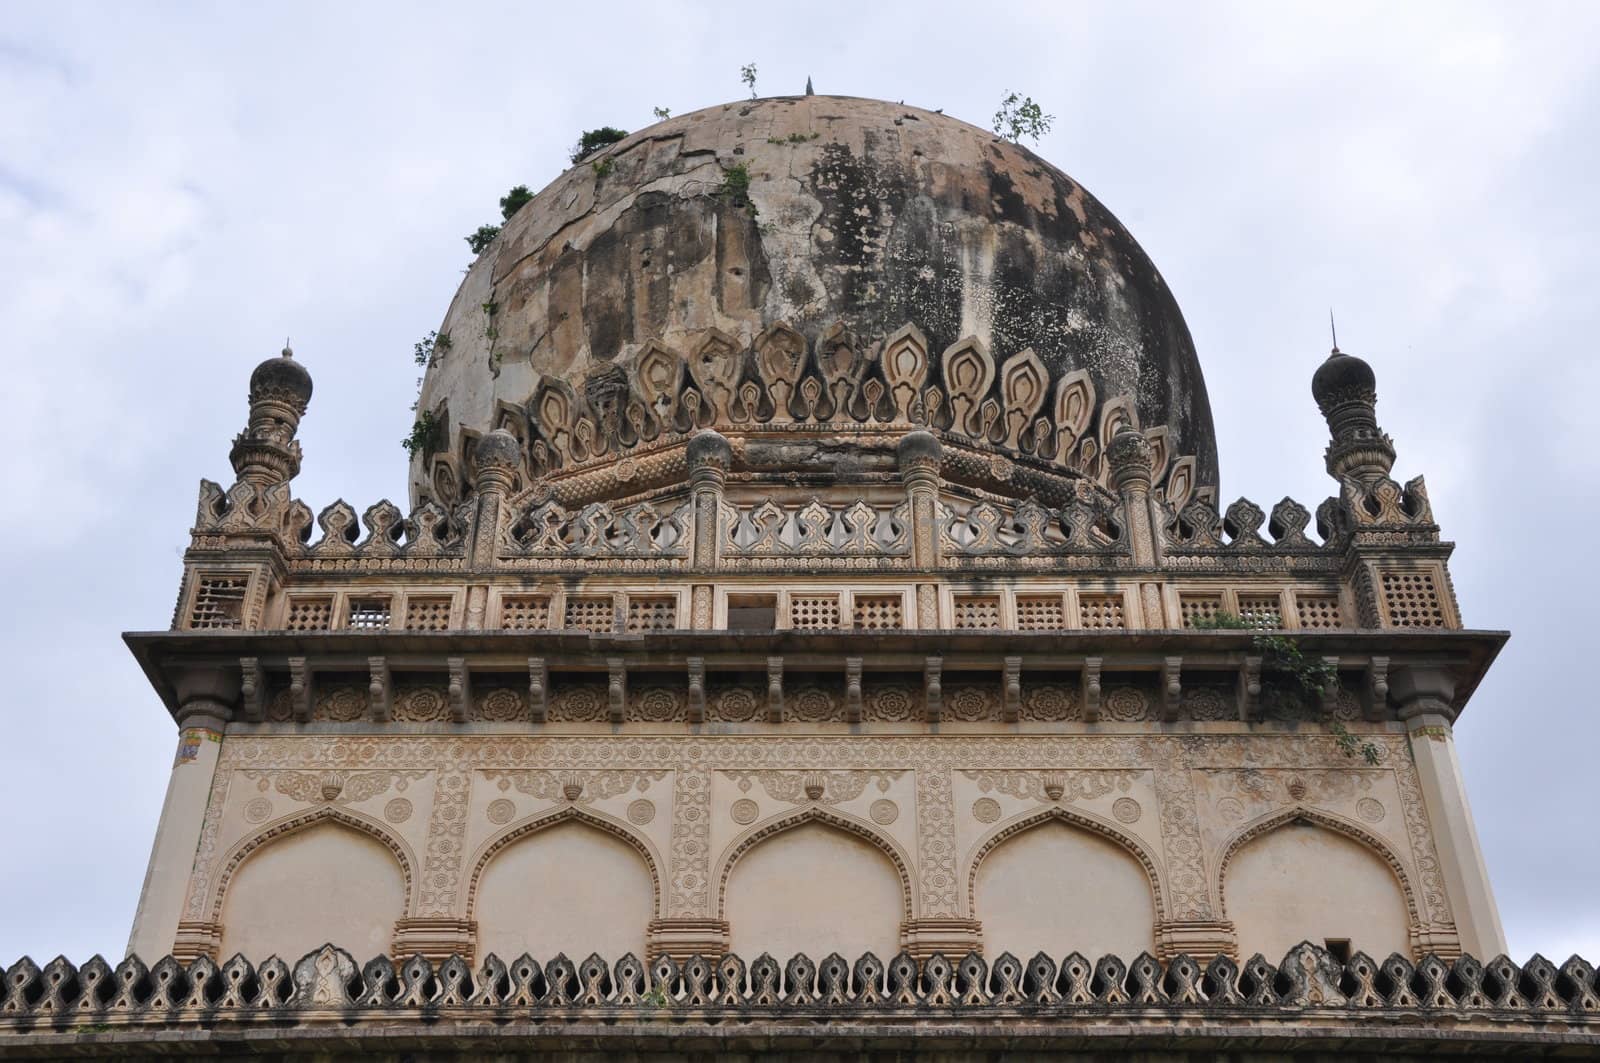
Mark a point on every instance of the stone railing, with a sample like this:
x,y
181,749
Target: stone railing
x,y
326,985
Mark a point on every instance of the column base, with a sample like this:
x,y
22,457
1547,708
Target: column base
x,y
436,939
683,938
1441,939
1201,940
194,940
954,937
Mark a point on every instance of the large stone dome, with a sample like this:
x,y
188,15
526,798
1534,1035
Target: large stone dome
x,y
826,215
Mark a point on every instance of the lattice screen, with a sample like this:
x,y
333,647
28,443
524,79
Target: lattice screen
x,y
369,614
1263,611
879,612
309,614
1201,607
814,612
1318,611
654,612
591,613
219,601
1040,612
977,611
427,614
525,612
1412,599
1101,612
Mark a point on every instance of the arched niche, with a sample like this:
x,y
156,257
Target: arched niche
x,y
1297,879
568,886
1051,885
324,882
816,888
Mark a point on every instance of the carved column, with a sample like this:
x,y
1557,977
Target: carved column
x,y
1424,695
498,456
691,925
919,455
1130,460
206,697
709,456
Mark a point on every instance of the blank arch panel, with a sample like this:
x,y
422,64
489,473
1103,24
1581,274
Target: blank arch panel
x,y
1303,882
569,888
814,889
1057,888
326,883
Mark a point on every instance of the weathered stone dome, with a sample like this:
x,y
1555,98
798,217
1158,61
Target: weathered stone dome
x,y
825,215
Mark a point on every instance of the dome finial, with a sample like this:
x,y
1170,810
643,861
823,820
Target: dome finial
x,y
809,90
1334,330
288,351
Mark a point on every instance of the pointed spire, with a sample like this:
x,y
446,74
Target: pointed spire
x,y
809,90
1333,329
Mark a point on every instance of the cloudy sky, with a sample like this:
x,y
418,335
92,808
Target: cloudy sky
x,y
183,185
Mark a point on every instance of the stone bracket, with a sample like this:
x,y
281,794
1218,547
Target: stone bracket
x,y
301,696
774,689
436,938
1091,688
950,935
617,687
1201,940
932,683
1250,689
538,689
252,689
460,689
1375,691
1330,689
380,690
684,938
1011,690
697,689
852,689
1171,688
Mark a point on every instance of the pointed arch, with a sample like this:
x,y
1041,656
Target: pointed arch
x,y
524,828
1272,821
1005,831
760,832
298,822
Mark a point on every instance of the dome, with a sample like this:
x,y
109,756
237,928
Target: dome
x,y
1340,378
833,220
281,379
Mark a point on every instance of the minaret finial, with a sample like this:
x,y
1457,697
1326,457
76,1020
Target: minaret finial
x,y
1333,330
809,90
288,352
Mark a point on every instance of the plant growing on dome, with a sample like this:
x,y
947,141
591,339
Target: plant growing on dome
x,y
427,435
736,187
593,140
514,201
430,347
1019,116
747,74
482,238
661,113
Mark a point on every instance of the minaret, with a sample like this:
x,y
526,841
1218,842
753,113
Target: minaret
x,y
1347,394
266,452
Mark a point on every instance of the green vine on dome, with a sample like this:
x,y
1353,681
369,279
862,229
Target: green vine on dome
x,y
427,436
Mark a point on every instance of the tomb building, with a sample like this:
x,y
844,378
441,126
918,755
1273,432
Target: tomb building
x,y
815,548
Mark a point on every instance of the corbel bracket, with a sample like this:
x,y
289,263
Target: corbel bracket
x,y
460,688
852,689
252,689
1091,688
380,690
617,687
1011,690
1375,692
1171,688
538,689
697,690
301,696
933,690
1250,689
774,689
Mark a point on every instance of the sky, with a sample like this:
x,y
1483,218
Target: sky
x,y
182,186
